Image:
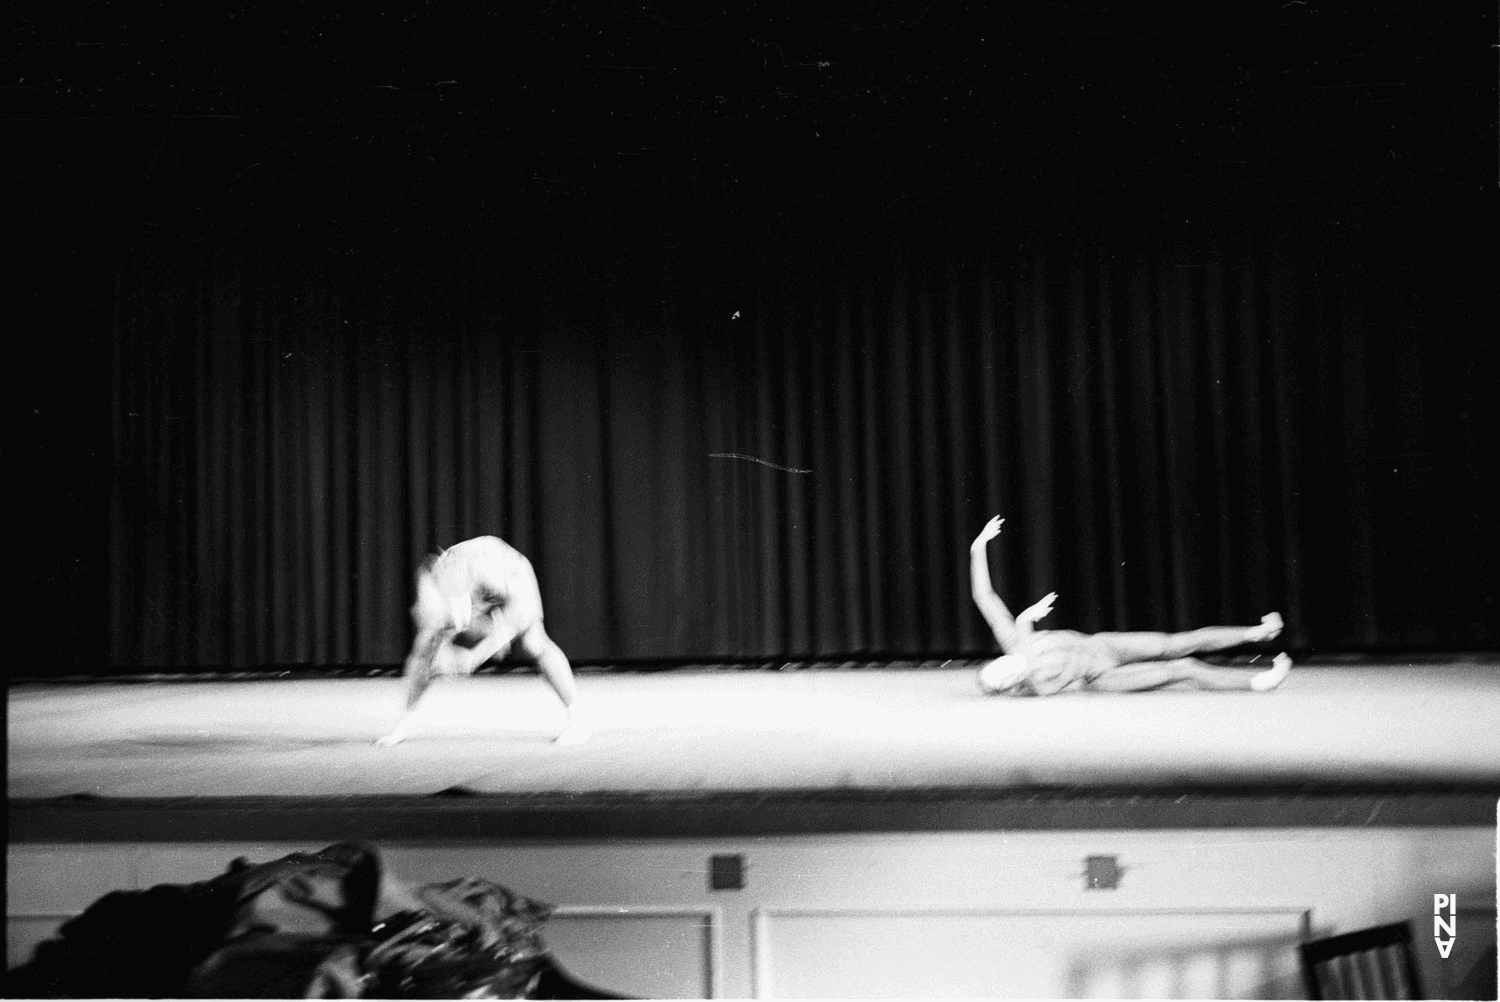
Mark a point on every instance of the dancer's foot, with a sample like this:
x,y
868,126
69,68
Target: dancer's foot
x,y
394,738
1269,629
1273,676
578,730
575,734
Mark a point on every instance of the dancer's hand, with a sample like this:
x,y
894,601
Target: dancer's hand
x,y
1040,608
990,531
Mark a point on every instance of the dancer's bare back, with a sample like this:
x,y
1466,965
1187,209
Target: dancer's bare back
x,y
478,578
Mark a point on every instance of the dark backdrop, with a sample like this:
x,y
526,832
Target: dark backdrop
x,y
741,324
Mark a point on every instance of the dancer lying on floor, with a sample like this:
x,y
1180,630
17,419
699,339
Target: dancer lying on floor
x,y
475,601
1044,662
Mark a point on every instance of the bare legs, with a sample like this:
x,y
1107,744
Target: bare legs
x,y
1154,660
1145,675
533,643
421,671
553,663
1135,647
416,685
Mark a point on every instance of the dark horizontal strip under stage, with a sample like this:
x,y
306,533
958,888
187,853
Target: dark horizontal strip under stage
x,y
458,816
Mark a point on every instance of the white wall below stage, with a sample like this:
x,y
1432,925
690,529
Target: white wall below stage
x,y
1198,913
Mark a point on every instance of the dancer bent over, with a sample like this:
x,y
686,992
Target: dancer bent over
x,y
475,601
1044,662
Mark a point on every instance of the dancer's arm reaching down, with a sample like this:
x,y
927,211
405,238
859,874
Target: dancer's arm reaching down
x,y
1002,624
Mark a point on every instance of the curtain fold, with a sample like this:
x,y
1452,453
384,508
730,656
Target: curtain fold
x,y
780,449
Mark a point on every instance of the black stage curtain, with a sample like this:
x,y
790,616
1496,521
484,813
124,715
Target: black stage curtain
x,y
779,446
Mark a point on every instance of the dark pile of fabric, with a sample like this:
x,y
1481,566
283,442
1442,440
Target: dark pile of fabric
x,y
330,924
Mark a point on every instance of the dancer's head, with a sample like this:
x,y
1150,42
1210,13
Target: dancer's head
x,y
1006,674
437,619
435,613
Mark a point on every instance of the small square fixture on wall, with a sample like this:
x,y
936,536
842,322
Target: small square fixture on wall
x,y
726,872
1102,873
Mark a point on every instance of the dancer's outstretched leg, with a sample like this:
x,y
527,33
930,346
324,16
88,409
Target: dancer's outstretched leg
x,y
1137,647
418,680
536,644
1142,676
433,656
1219,638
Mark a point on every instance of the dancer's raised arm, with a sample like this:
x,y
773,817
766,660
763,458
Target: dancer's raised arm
x,y
1002,624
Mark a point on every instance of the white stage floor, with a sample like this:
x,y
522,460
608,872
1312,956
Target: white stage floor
x,y
715,731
